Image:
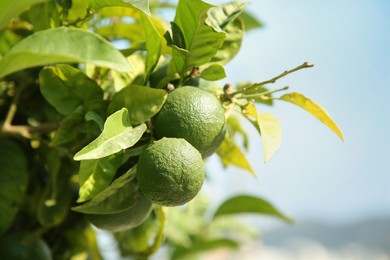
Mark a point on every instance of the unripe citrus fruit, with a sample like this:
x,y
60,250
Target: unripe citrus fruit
x,y
170,172
130,218
195,115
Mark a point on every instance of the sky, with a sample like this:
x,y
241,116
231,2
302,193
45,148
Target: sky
x,y
315,175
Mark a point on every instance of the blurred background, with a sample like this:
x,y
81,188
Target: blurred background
x,y
338,192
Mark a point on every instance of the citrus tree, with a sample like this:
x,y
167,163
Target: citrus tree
x,y
108,113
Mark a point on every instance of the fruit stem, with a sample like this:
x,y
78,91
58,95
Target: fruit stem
x,y
273,80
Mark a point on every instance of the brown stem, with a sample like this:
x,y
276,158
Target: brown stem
x,y
273,80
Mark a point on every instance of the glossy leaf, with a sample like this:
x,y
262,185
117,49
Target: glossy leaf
x,y
153,44
231,45
269,129
62,45
72,128
119,196
249,204
13,181
314,109
142,5
220,16
202,41
231,154
117,135
10,9
65,88
141,102
96,175
213,72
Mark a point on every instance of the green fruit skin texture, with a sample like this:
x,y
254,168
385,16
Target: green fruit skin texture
x,y
195,115
124,220
170,172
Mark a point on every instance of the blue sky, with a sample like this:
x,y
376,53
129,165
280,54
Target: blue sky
x,y
314,174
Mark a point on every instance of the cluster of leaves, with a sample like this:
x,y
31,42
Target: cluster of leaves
x,y
67,94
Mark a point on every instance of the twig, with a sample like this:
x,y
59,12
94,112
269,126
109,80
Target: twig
x,y
263,94
273,80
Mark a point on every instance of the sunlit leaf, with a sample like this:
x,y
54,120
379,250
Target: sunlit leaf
x,y
314,109
202,41
117,135
250,21
142,5
220,16
213,72
141,102
268,127
65,88
13,181
96,175
119,196
153,44
231,154
62,45
249,204
231,45
10,9
234,126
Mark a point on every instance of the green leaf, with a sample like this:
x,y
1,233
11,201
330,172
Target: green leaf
x,y
44,16
65,88
57,196
141,102
13,181
137,240
119,196
314,109
10,9
153,44
213,72
202,41
231,154
268,127
62,45
203,246
249,204
96,175
142,5
232,44
221,16
8,39
234,126
250,21
117,135
254,94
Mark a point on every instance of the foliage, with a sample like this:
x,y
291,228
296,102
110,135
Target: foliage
x,y
76,113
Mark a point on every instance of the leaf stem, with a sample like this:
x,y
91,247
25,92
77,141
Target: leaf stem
x,y
263,94
160,235
273,80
